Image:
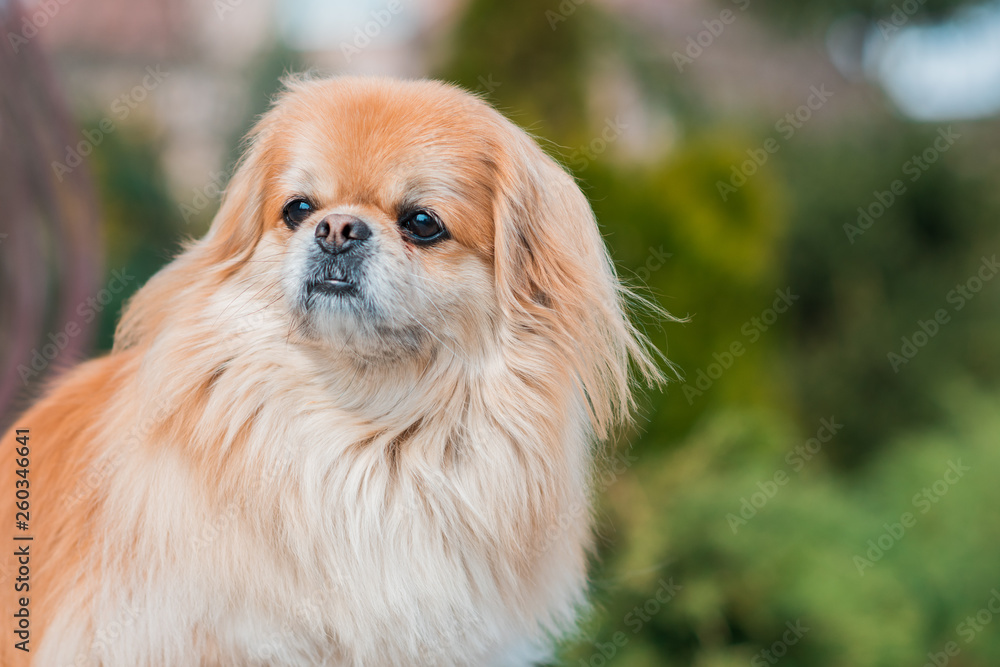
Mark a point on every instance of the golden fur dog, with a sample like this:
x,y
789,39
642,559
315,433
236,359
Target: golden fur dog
x,y
355,424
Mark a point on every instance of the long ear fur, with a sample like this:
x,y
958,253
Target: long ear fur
x,y
553,271
229,243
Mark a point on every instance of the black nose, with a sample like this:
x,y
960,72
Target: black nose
x,y
339,232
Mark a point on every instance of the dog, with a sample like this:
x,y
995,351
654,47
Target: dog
x,y
354,424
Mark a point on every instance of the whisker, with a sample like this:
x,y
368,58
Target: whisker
x,y
265,306
443,344
429,299
247,279
251,300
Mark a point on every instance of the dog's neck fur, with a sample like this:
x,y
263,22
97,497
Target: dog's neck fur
x,y
430,481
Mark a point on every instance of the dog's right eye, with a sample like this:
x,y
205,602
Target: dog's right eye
x,y
296,211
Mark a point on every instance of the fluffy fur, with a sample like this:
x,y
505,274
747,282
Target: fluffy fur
x,y
260,476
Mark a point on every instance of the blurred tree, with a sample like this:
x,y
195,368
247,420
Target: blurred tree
x,y
796,16
882,570
142,225
715,262
530,61
873,264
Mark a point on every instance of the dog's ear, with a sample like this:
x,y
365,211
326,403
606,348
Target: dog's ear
x,y
554,277
230,242
239,223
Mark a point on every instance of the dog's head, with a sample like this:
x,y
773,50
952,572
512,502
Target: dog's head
x,y
408,219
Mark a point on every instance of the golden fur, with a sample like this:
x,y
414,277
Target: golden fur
x,y
244,480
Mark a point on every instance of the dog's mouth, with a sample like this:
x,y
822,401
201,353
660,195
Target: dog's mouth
x,y
340,285
336,281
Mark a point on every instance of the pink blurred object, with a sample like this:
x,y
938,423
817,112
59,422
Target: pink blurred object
x,y
50,244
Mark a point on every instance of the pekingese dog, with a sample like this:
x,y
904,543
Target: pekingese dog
x,y
355,424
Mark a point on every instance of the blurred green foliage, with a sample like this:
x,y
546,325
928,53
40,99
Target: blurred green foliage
x,y
751,550
510,52
862,294
142,223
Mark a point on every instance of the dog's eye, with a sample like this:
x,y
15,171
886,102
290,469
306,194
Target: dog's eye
x,y
422,226
296,211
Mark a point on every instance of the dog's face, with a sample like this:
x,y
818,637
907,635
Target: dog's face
x,y
389,207
382,205
408,219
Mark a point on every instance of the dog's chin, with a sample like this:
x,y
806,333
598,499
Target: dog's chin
x,y
337,315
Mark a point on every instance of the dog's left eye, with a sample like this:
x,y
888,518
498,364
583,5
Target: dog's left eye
x,y
423,226
296,211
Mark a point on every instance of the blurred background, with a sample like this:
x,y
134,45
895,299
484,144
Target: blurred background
x,y
814,184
